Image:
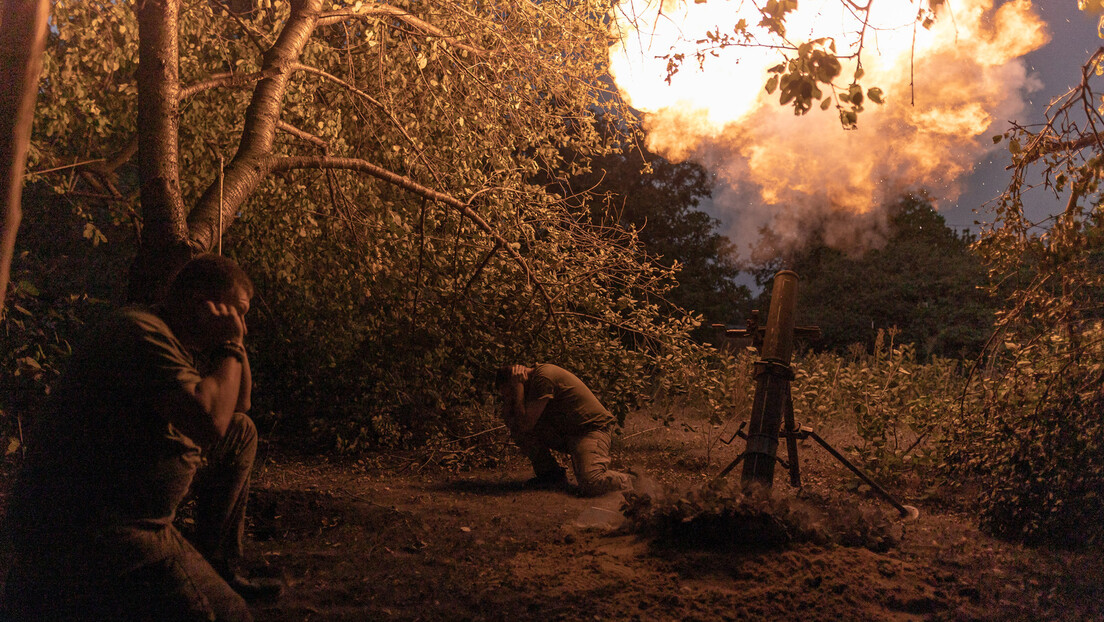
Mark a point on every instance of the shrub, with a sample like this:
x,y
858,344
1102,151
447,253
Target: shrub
x,y
899,405
1037,440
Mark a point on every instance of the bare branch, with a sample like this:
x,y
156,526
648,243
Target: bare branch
x,y
358,92
303,136
253,35
278,164
229,79
479,269
65,167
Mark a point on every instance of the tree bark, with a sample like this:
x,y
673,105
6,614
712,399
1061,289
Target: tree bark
x,y
164,244
250,164
22,41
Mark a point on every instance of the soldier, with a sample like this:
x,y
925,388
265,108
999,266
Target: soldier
x,y
547,408
152,400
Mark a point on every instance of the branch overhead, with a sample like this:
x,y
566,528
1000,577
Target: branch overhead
x,y
377,10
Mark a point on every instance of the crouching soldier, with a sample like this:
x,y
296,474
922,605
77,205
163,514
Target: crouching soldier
x,y
151,406
547,408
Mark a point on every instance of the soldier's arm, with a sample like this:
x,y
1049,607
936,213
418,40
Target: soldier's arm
x,y
203,409
513,403
531,412
246,389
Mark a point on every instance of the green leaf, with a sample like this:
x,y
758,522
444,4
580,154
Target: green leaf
x,y
28,288
772,84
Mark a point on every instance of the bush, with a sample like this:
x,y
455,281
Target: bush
x,y
1037,441
1050,487
900,406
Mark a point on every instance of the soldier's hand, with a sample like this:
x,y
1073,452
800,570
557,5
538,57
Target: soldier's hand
x,y
517,373
223,322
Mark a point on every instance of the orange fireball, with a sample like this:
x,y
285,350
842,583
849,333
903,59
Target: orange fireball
x,y
947,89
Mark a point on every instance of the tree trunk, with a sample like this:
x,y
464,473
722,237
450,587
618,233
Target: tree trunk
x,y
171,235
164,244
252,162
22,41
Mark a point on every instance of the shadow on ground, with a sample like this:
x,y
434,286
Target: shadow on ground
x,y
489,487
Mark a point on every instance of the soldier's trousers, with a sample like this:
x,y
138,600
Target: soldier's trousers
x,y
147,571
590,459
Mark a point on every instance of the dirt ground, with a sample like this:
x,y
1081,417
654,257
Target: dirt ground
x,y
416,537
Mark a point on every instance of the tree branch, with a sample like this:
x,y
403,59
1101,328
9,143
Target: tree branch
x,y
479,269
303,136
228,79
277,164
375,10
247,168
359,93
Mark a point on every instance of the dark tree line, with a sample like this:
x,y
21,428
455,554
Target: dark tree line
x,y
661,201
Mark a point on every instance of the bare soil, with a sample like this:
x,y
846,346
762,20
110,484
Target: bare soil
x,y
424,536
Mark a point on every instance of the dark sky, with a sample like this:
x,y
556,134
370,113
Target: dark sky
x,y
1058,66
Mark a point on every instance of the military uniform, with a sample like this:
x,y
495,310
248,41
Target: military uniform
x,y
92,512
573,422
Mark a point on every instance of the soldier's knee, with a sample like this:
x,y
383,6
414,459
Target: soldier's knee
x,y
241,437
242,425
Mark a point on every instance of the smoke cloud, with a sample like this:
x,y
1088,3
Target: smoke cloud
x,y
946,94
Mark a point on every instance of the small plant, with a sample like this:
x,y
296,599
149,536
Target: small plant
x,y
899,405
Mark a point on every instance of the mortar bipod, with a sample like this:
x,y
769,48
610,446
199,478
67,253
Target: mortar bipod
x,y
801,433
772,415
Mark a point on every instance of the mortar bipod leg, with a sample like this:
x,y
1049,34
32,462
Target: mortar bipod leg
x,y
907,512
791,441
731,465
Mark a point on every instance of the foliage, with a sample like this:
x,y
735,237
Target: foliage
x,y
60,282
1036,439
381,312
899,405
659,199
925,282
408,333
32,351
1040,442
